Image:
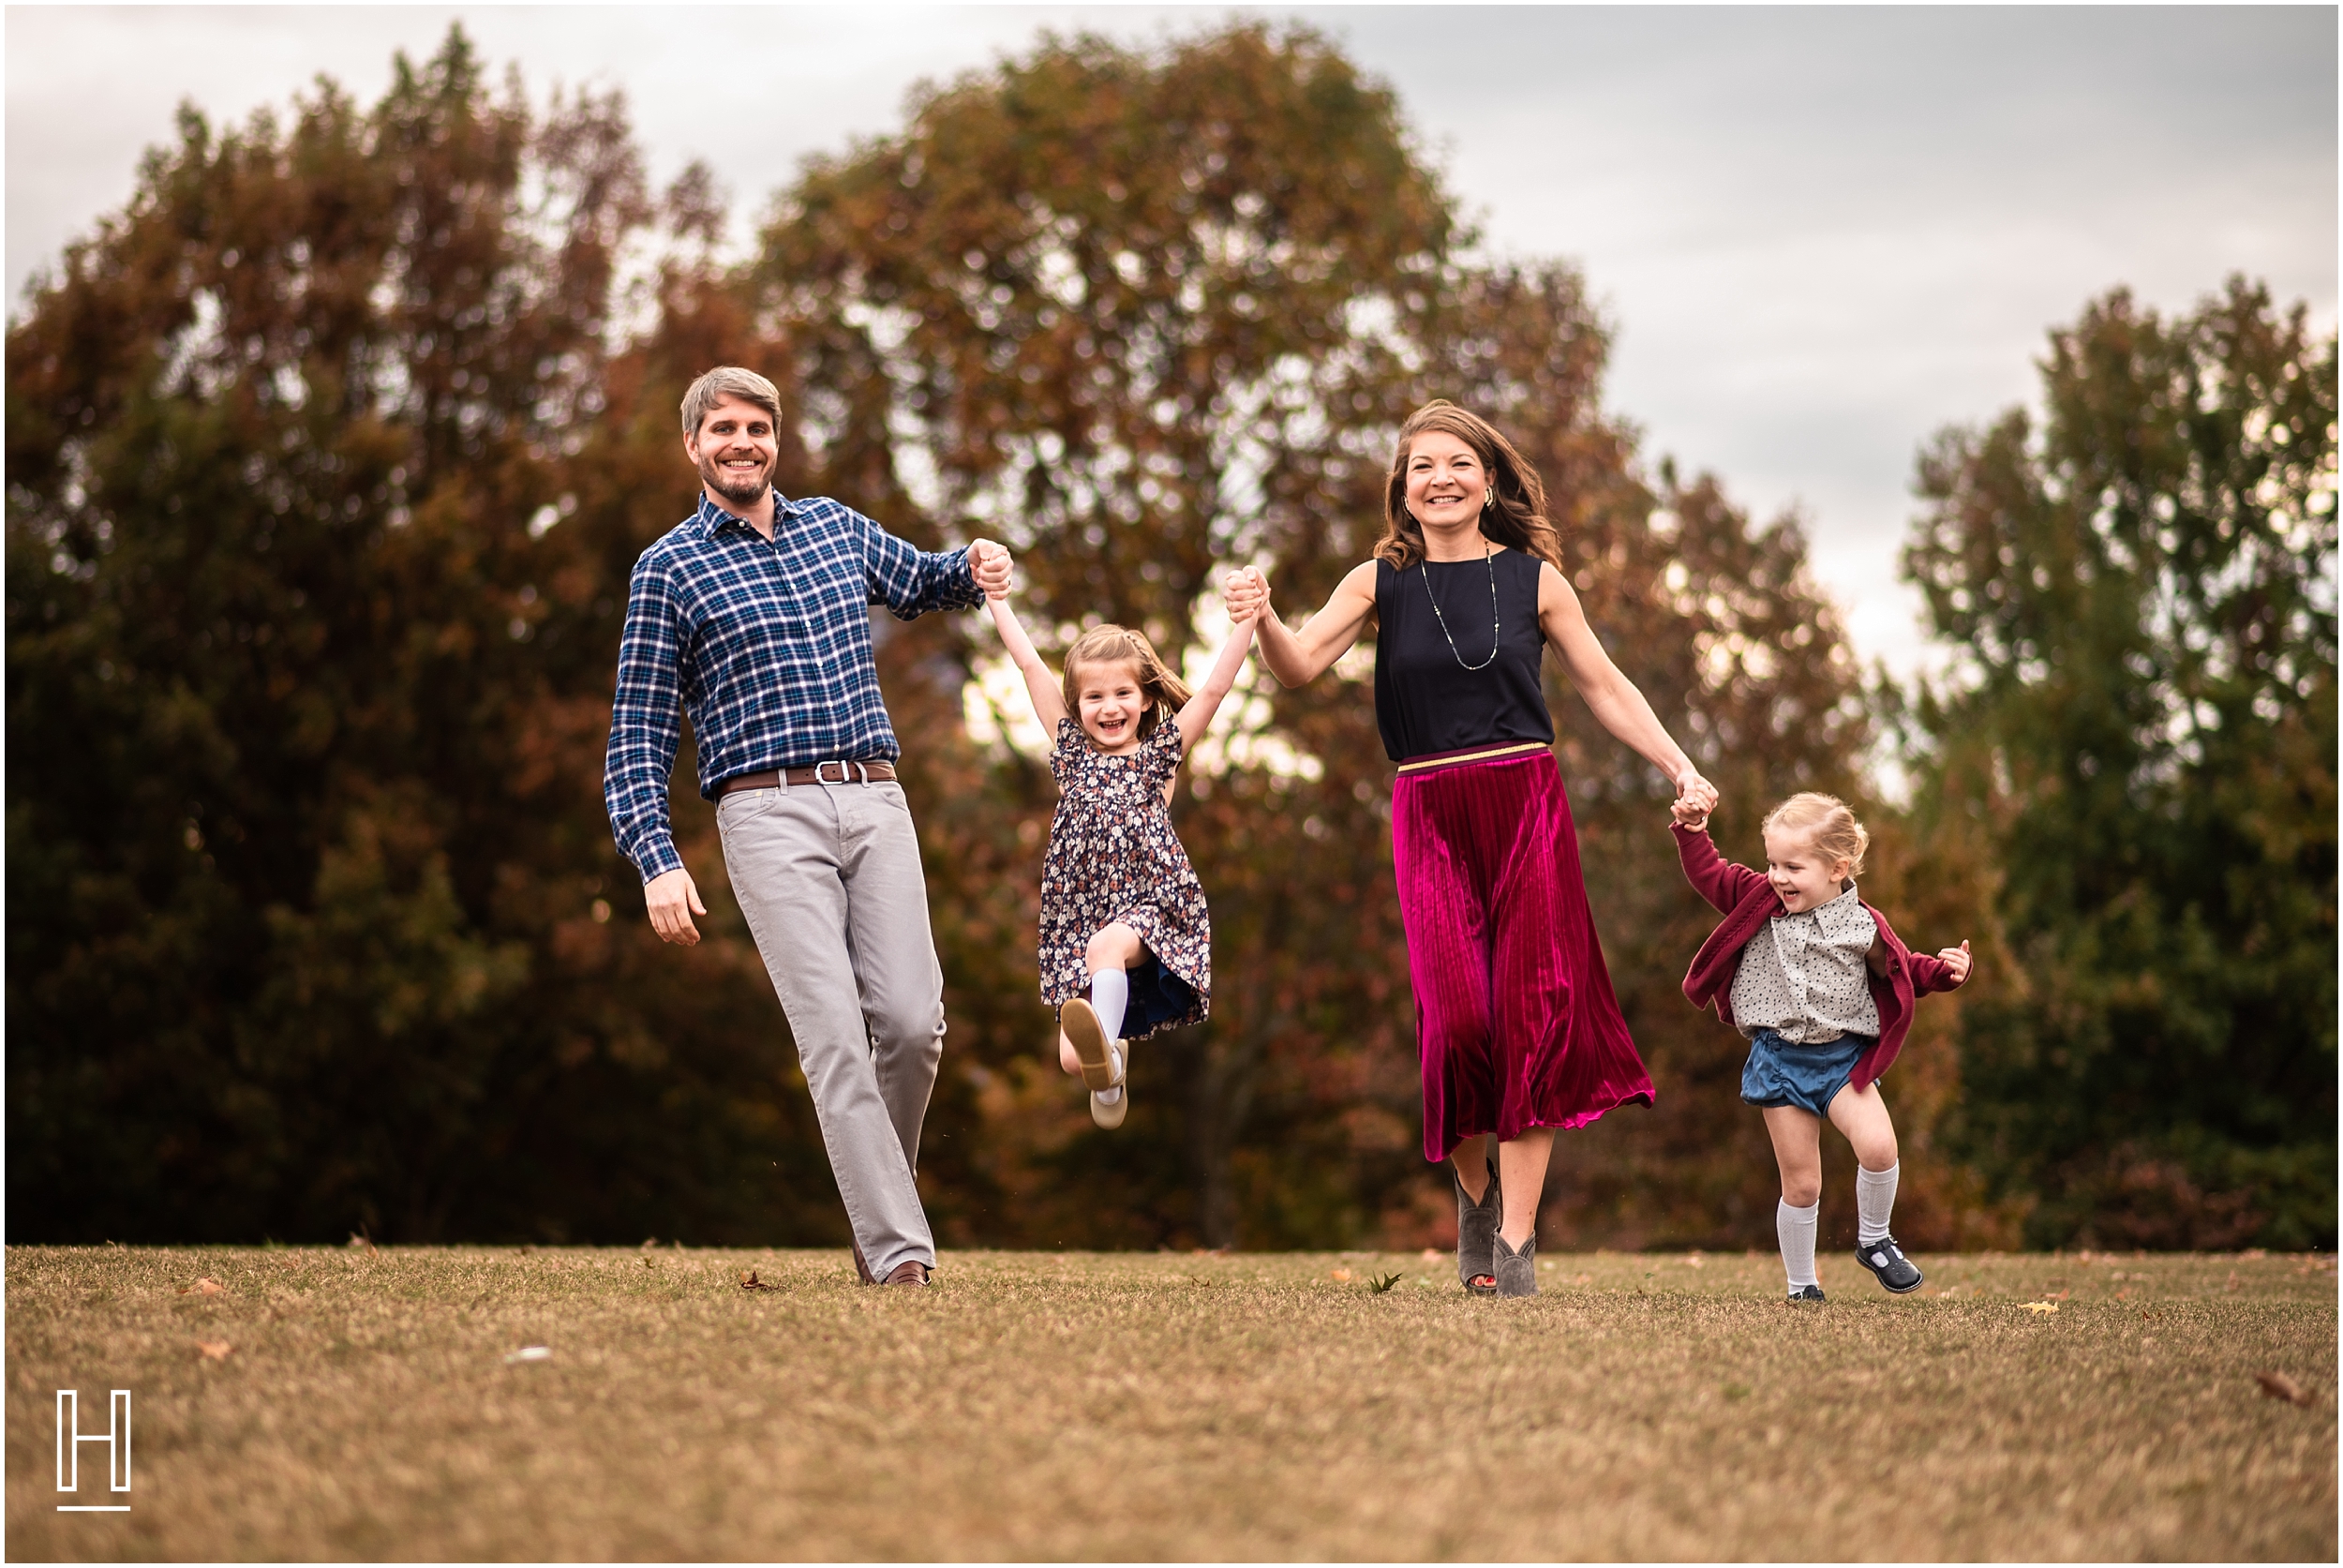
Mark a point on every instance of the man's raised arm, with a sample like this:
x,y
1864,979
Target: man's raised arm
x,y
911,581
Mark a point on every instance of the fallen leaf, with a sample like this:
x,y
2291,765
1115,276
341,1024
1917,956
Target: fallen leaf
x,y
2039,1305
1431,1254
749,1282
2056,1295
529,1352
205,1288
1343,1276
2277,1385
214,1350
1381,1284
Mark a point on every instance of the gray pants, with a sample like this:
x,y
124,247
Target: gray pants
x,y
829,877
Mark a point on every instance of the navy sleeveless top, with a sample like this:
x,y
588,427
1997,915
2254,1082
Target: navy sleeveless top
x,y
1425,701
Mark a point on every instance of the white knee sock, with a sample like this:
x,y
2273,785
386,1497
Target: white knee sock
x,y
1109,994
1874,1201
1796,1227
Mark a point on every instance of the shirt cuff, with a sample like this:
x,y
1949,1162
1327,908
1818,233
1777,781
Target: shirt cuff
x,y
659,858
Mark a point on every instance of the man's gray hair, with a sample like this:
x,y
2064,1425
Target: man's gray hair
x,y
728,380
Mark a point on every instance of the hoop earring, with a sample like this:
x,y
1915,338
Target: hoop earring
x,y
1488,497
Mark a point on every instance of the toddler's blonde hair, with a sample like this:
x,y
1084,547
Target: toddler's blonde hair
x,y
1165,692
1828,824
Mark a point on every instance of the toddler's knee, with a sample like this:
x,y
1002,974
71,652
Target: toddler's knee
x,y
1801,1191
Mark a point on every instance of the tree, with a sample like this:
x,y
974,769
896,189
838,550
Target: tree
x,y
1142,313
2140,736
309,651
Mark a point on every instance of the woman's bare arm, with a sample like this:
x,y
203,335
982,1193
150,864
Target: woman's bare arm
x,y
1297,658
1613,699
1049,703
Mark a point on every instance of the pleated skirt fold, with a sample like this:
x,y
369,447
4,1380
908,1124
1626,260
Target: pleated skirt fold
x,y
1517,1027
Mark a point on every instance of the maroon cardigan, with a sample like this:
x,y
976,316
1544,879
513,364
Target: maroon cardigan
x,y
1748,901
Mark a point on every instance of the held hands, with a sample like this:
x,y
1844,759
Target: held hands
x,y
1696,798
672,900
990,563
1246,593
1957,960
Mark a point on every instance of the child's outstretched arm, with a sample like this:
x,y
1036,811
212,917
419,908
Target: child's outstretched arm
x,y
1049,703
1196,718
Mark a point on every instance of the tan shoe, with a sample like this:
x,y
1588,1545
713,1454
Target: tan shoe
x,y
1109,1112
909,1272
1080,1024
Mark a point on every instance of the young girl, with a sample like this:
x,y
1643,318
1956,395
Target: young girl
x,y
1824,991
1126,938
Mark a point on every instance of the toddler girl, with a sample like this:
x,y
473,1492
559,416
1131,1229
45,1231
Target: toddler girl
x,y
1126,938
1823,990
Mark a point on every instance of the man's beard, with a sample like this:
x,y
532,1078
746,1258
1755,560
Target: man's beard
x,y
740,492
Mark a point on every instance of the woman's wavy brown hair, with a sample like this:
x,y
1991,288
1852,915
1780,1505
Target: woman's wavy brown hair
x,y
1517,518
1165,692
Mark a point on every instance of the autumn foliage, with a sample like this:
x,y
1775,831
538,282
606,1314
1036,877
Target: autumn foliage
x,y
328,457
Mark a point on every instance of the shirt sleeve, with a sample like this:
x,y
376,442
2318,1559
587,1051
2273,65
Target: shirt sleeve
x,y
911,581
645,723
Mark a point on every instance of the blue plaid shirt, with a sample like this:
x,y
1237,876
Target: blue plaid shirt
x,y
765,645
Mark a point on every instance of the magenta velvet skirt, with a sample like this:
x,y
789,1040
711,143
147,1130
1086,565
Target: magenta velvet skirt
x,y
1515,1021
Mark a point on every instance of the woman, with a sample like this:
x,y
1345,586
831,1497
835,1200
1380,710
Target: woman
x,y
1518,1030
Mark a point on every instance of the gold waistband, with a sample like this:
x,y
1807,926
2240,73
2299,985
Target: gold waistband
x,y
1524,749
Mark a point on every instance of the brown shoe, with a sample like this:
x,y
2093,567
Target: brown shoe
x,y
909,1272
862,1267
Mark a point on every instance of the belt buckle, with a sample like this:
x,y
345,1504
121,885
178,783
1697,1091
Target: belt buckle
x,y
843,777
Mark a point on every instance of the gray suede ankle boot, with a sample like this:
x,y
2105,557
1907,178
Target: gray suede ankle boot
x,y
1476,1227
1516,1271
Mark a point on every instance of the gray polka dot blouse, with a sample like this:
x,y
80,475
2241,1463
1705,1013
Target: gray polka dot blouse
x,y
1802,976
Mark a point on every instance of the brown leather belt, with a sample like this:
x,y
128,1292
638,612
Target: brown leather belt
x,y
821,773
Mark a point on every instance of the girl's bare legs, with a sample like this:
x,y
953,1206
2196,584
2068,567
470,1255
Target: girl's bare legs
x,y
1862,1116
1797,1149
1520,1170
1115,947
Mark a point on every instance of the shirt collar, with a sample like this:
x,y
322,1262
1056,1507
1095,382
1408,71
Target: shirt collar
x,y
1847,897
712,516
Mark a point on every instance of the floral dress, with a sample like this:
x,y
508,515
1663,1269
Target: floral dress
x,y
1113,857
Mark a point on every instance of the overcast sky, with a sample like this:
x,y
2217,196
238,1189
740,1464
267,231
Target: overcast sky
x,y
1820,233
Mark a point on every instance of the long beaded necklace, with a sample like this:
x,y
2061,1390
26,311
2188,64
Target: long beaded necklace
x,y
1490,555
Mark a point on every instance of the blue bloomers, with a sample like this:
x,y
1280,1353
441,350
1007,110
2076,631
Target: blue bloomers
x,y
1806,1076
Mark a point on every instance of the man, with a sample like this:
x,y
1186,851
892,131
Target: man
x,y
752,616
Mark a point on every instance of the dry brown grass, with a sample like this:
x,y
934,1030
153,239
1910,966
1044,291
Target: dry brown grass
x,y
1119,1406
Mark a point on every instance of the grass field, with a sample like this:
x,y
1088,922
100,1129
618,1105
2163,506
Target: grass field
x,y
358,1403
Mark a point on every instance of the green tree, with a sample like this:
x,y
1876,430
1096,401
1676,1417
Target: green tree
x,y
2138,732
309,651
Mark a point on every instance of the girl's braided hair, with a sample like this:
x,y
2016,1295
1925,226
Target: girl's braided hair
x,y
1828,824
